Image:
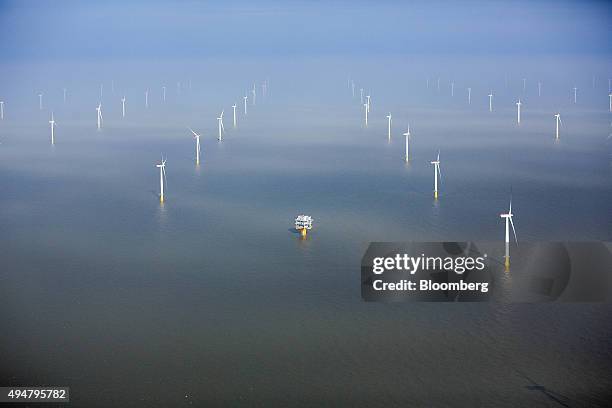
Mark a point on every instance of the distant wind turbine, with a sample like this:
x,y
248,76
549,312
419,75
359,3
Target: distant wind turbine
x,y
361,94
365,106
221,127
197,138
469,96
245,98
52,123
353,87
123,107
491,102
518,112
575,94
147,98
610,96
509,222
162,178
2,110
539,89
407,134
368,102
389,126
64,95
254,93
40,95
163,94
524,84
234,107
437,173
558,121
99,110
452,89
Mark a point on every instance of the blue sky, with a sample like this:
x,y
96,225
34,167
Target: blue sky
x,y
50,30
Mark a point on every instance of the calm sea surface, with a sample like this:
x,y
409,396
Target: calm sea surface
x,y
212,298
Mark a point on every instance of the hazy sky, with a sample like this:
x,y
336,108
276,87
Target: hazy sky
x,y
191,29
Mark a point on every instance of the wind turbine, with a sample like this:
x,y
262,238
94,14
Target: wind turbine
x,y
353,87
162,178
234,107
40,95
524,84
389,126
123,107
2,109
407,134
437,172
508,216
518,112
610,96
452,89
361,94
575,91
99,110
368,102
469,96
539,89
365,105
52,123
245,104
221,128
163,93
427,82
197,138
147,98
491,102
64,95
558,118
253,91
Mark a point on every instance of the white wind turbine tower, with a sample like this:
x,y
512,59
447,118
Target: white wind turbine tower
x,y
40,95
469,96
575,91
52,123
558,121
162,178
99,110
539,89
234,107
147,98
368,102
163,94
353,87
508,217
389,126
245,98
123,107
610,96
518,112
491,102
407,134
197,138
437,173
254,92
452,89
365,106
221,127
2,110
